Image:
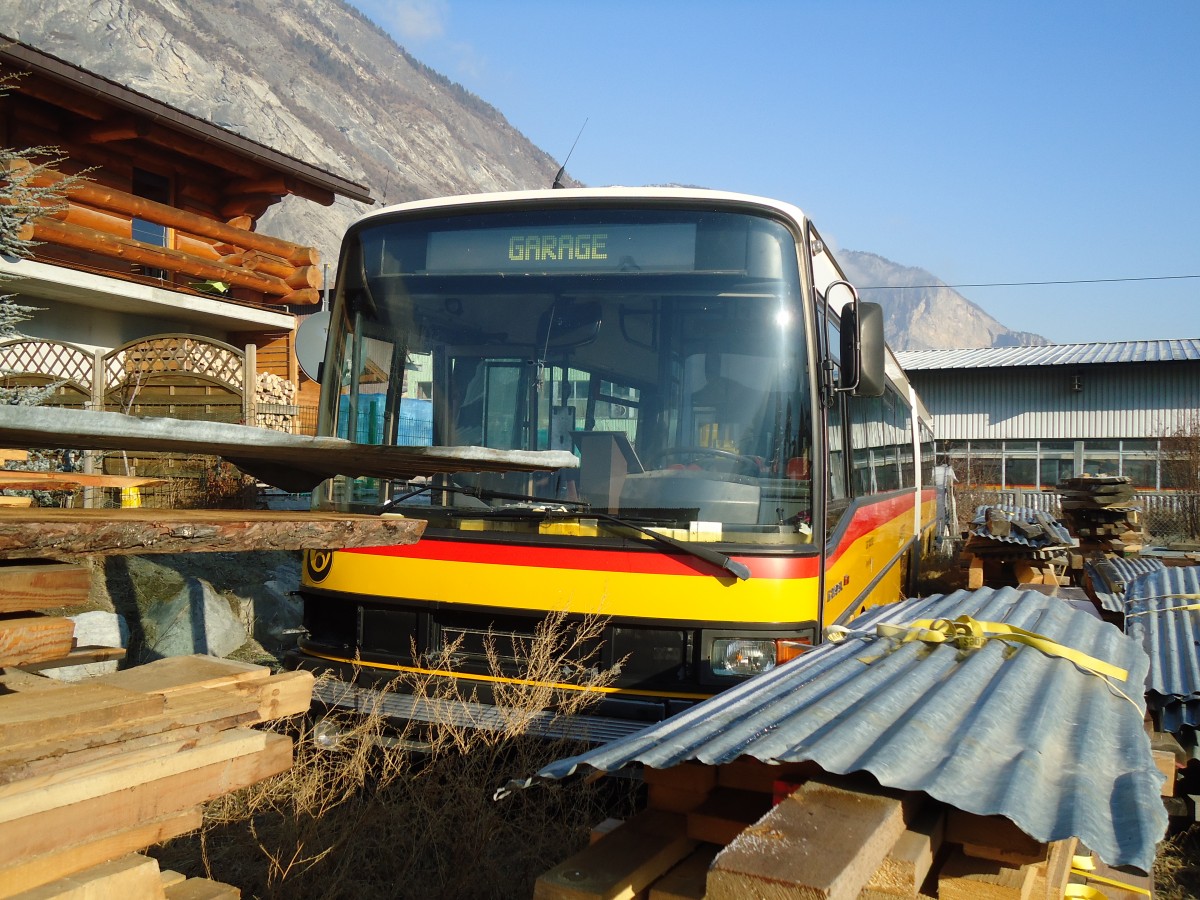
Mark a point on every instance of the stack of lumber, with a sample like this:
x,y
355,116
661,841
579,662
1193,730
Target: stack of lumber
x,y
6,457
30,637
1099,508
1006,543
746,829
92,772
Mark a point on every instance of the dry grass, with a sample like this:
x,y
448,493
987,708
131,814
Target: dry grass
x,y
365,819
1177,867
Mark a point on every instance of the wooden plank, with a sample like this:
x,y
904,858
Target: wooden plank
x,y
59,710
621,865
1164,761
42,585
44,832
67,860
99,778
669,799
821,842
604,828
31,639
688,880
48,757
965,877
170,877
62,481
904,869
14,456
67,533
1026,573
79,656
159,719
16,502
289,461
992,837
1050,877
285,694
688,776
130,876
975,573
185,674
201,889
724,813
749,774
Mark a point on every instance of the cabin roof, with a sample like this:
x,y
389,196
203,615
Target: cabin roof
x,y
51,67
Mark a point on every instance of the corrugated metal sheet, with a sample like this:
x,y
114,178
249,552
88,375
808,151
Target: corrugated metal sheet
x,y
1181,350
1158,616
1110,591
1029,404
1054,535
999,730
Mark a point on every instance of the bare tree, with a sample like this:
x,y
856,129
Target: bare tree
x,y
1179,457
25,196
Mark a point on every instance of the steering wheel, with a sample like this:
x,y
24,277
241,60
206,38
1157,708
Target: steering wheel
x,y
747,464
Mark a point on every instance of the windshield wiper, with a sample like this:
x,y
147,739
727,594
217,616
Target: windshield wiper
x,y
479,493
713,557
548,510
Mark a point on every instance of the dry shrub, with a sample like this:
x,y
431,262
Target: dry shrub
x,y
409,813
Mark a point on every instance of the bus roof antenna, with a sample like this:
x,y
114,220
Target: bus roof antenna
x,y
558,178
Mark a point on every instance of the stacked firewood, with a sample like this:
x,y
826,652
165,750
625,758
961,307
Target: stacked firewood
x,y
1099,509
275,400
1010,542
747,829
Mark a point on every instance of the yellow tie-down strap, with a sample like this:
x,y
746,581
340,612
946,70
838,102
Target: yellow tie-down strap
x,y
1146,612
1084,866
970,634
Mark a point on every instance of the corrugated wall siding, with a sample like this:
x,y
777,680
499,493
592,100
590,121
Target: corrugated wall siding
x,y
1113,401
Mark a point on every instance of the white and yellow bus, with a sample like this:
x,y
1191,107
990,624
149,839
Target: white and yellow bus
x,y
752,463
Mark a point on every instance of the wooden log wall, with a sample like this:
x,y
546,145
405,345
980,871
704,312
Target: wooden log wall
x,y
217,196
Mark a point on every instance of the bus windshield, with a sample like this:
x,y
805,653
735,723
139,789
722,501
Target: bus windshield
x,y
664,346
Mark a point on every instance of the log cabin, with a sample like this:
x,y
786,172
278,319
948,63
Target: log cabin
x,y
160,236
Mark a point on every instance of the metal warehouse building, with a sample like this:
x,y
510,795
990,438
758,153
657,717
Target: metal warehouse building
x,y
1029,417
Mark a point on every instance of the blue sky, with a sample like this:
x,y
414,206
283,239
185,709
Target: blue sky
x,y
985,142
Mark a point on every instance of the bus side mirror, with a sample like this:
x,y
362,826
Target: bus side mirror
x,y
863,349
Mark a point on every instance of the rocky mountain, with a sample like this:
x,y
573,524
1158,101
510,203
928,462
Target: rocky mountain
x,y
920,313
317,80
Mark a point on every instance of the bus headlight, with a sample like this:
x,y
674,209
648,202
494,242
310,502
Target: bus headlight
x,y
742,656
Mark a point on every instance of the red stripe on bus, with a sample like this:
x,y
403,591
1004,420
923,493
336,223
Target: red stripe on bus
x,y
870,517
646,562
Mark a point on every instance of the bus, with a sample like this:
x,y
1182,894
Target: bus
x,y
752,463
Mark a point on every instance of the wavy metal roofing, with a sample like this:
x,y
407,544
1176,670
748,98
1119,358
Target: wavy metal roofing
x,y
1001,730
1180,350
1054,536
1157,615
1112,595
